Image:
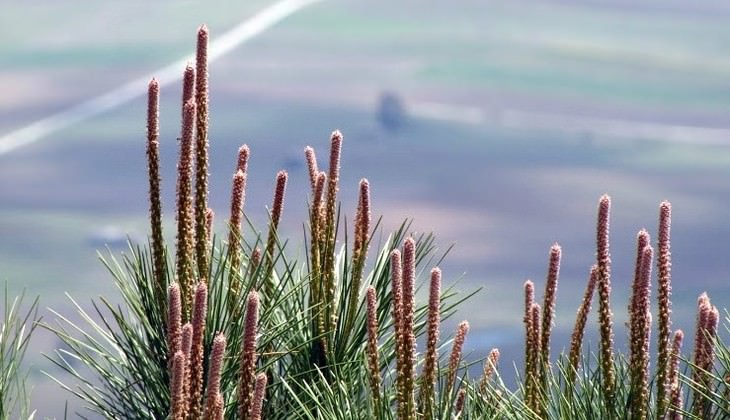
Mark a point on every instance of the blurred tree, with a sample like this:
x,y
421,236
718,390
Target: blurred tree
x,y
391,112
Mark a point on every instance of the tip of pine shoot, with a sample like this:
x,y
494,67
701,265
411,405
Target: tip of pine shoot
x,y
336,136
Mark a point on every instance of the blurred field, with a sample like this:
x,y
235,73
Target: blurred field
x,y
527,172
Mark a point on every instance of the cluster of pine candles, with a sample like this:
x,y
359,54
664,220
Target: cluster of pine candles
x,y
187,299
635,404
235,329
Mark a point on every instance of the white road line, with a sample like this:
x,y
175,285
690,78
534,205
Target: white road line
x,y
220,46
584,125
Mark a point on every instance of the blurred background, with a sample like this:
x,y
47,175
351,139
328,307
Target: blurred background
x,y
496,125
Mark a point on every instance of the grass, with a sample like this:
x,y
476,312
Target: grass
x,y
19,320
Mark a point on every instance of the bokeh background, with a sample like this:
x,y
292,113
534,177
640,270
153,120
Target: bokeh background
x,y
496,125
